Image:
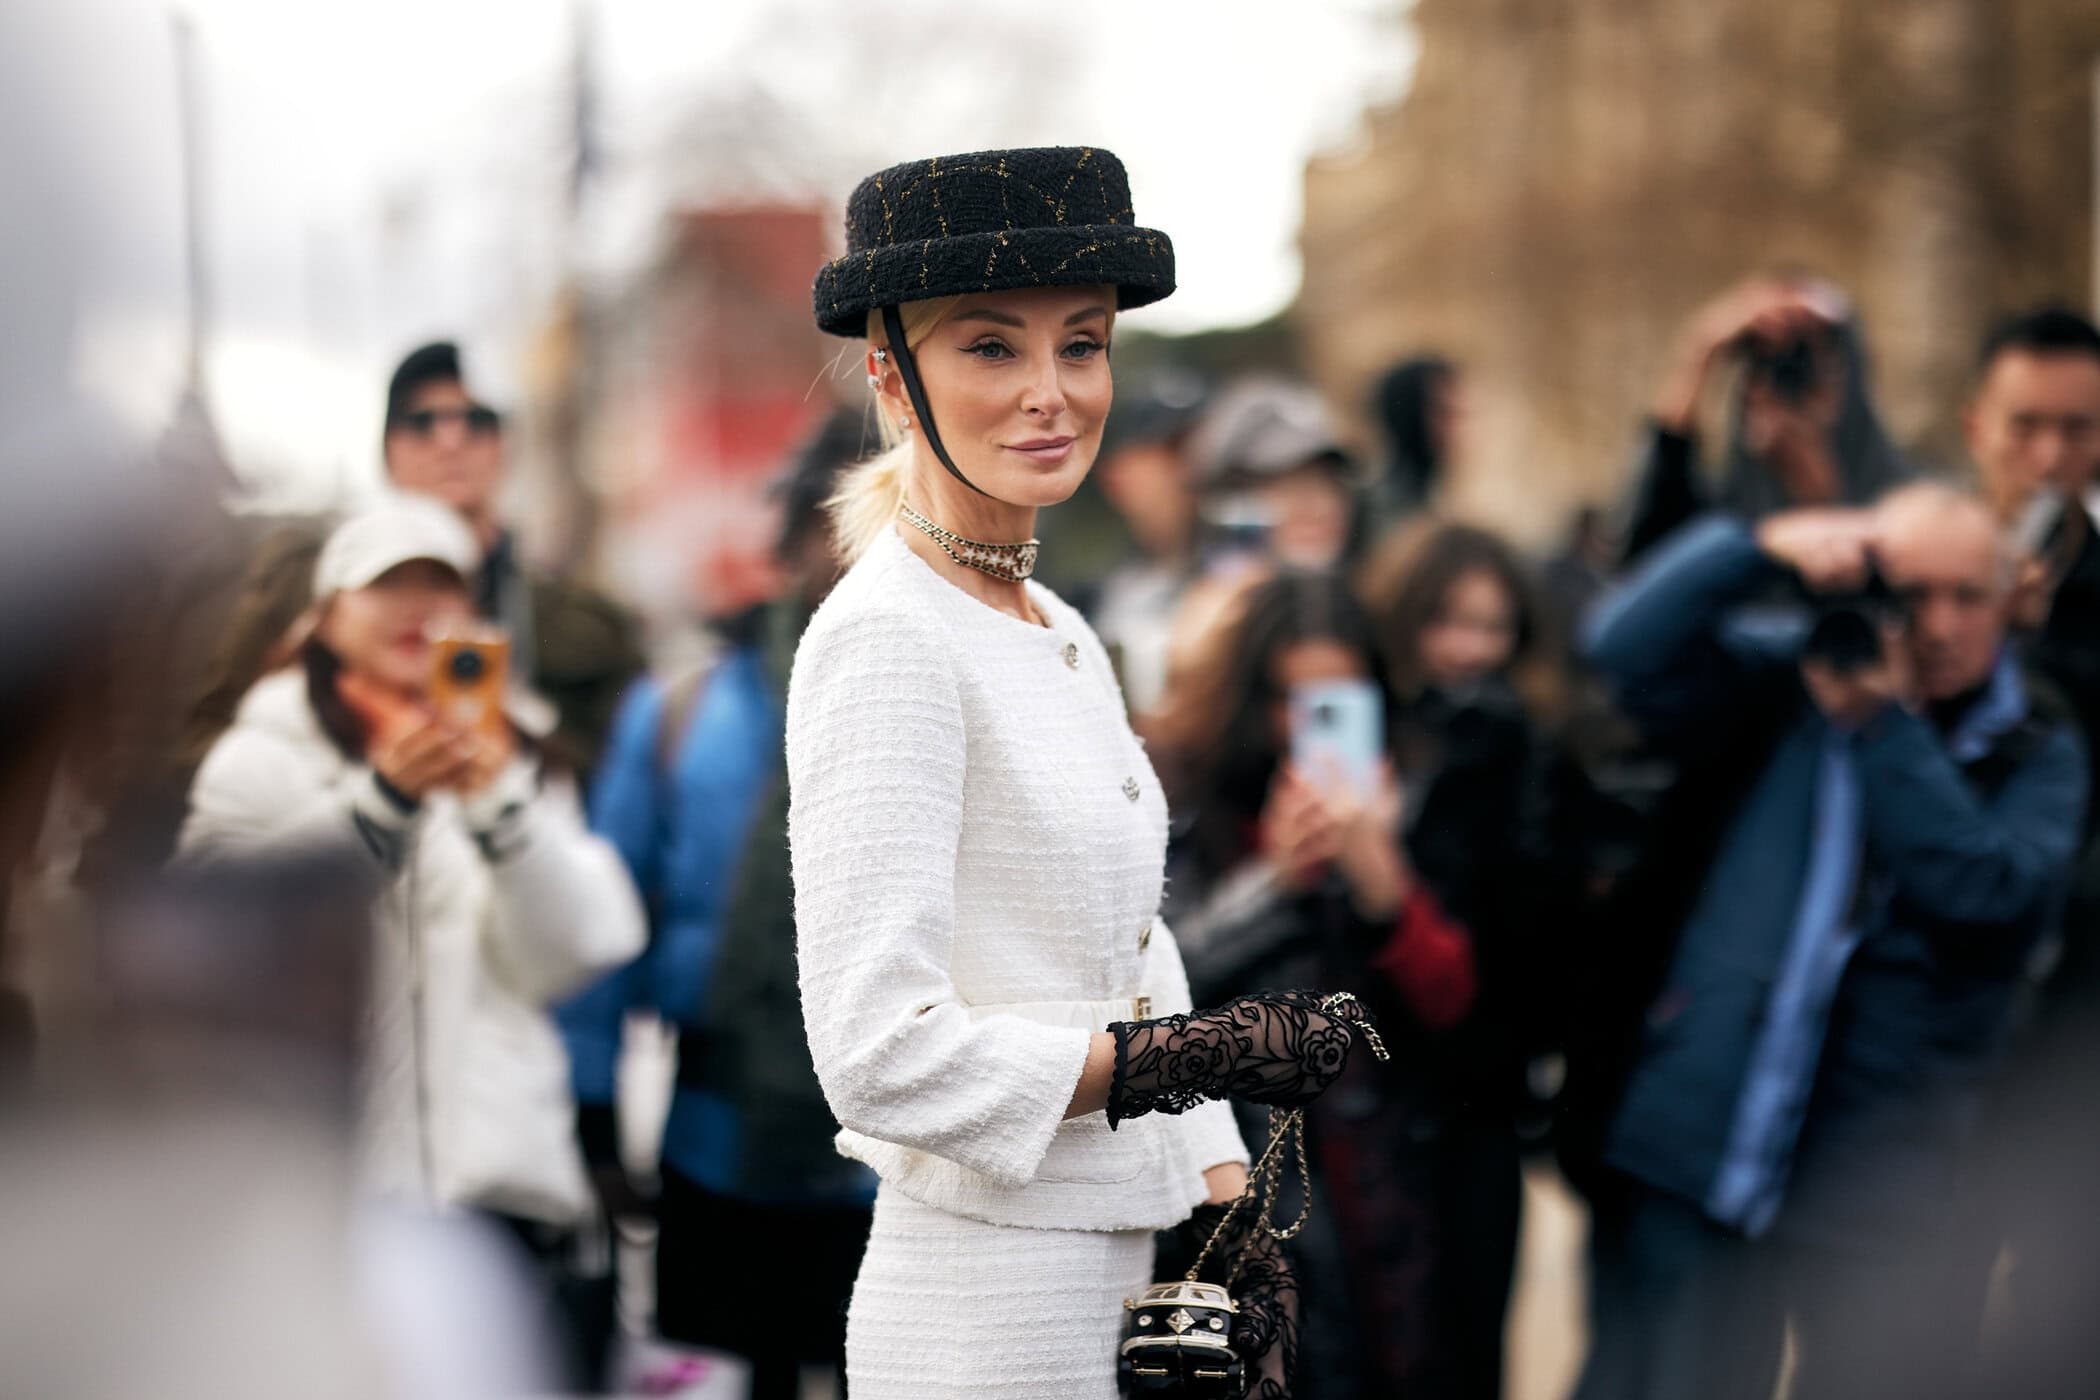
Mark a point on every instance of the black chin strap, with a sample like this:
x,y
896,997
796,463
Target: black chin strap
x,y
908,370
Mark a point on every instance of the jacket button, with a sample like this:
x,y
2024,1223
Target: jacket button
x,y
1144,938
1072,655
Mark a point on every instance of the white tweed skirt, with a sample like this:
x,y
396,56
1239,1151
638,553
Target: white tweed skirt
x,y
947,1308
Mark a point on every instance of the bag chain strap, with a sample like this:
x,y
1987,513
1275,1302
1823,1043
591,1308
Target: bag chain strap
x,y
1266,1178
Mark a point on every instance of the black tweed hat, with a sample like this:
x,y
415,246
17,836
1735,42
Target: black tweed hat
x,y
1057,216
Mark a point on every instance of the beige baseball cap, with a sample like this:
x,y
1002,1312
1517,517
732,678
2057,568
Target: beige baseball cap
x,y
398,529
1262,427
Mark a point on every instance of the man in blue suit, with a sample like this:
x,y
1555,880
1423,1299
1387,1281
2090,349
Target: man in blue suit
x,y
1842,983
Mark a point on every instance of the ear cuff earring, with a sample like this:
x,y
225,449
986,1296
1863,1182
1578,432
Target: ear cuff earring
x,y
881,356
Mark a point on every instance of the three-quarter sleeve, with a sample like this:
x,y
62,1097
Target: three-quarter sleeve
x,y
876,759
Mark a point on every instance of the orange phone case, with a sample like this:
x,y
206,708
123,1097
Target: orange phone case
x,y
468,673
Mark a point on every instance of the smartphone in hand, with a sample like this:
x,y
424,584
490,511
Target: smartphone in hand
x,y
470,668
2039,522
1338,735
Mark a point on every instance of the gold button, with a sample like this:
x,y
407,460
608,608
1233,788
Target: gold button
x,y
1141,1008
1144,938
1072,655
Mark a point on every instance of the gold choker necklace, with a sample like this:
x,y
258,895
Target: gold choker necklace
x,y
1012,562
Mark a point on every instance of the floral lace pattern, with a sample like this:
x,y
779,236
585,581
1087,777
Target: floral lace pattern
x,y
1266,1332
1282,1050
1277,1048
1250,1261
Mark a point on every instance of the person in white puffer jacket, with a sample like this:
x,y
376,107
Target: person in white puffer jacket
x,y
496,900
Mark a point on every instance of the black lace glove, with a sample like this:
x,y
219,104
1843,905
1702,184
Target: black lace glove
x,y
1278,1048
1265,1333
1249,1261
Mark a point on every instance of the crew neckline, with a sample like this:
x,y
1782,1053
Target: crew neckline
x,y
1036,592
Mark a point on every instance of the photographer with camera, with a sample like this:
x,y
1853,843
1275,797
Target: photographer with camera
x,y
1898,838
386,741
1803,429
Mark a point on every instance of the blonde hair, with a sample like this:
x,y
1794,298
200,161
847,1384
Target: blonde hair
x,y
868,495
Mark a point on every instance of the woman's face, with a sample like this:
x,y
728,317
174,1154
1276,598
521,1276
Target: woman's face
x,y
1019,386
1314,661
382,631
1473,635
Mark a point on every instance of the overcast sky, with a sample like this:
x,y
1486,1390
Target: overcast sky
x,y
388,169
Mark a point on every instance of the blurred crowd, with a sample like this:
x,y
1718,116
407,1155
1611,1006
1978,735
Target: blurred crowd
x,y
1733,855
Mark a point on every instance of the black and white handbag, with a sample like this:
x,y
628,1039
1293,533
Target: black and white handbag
x,y
1179,1337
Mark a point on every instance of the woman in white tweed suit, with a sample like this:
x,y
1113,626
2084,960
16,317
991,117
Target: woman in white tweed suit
x,y
978,838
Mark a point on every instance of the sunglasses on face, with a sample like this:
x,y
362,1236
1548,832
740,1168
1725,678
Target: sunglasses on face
x,y
478,420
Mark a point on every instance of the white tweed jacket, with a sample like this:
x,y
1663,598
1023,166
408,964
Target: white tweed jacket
x,y
979,848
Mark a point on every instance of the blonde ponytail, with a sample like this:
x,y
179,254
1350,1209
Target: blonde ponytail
x,y
870,493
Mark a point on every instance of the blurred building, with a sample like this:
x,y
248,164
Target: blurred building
x,y
1564,183
710,371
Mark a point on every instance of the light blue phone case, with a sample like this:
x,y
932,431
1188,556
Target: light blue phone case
x,y
1338,734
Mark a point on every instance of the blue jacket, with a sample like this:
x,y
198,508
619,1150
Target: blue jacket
x,y
683,834
1866,913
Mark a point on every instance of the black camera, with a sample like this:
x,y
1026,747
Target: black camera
x,y
1846,631
1792,370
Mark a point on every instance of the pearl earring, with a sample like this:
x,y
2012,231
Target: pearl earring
x,y
904,421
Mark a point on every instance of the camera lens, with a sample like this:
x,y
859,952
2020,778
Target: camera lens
x,y
1846,637
467,666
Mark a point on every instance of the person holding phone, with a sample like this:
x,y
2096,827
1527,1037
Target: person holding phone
x,y
572,646
1495,828
1291,863
2032,429
494,899
1272,745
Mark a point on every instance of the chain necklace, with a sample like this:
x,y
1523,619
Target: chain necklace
x,y
1011,562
